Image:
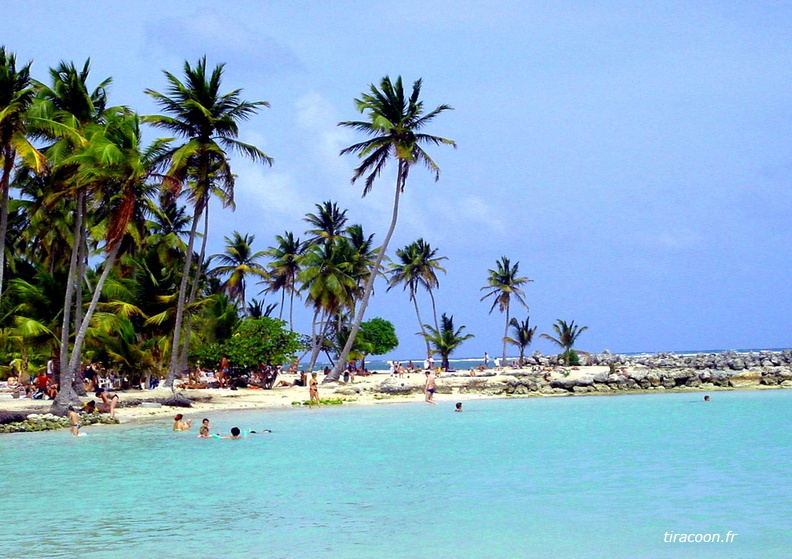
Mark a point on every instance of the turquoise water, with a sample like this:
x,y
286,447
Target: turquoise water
x,y
551,477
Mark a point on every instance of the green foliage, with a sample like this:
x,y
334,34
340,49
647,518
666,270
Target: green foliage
x,y
255,341
380,334
572,358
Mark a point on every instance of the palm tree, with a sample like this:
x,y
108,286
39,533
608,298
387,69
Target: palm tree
x,y
523,335
502,283
447,338
237,262
328,279
208,121
16,98
282,272
116,165
394,122
566,336
69,101
328,223
417,266
361,255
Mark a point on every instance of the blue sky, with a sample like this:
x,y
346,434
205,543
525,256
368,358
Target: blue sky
x,y
635,158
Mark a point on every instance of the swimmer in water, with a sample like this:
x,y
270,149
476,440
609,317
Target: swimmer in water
x,y
74,420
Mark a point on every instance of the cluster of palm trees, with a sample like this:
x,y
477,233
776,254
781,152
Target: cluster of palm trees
x,y
98,246
101,216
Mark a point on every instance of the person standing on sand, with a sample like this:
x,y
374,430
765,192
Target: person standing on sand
x,y
486,360
313,391
223,373
429,389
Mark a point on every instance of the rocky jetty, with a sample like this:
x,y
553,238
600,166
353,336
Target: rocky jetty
x,y
611,373
27,423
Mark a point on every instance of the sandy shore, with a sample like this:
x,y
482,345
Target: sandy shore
x,y
377,388
365,390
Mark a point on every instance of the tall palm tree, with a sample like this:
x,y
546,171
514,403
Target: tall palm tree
x,y
208,121
16,98
115,163
566,336
523,335
237,262
446,339
417,266
282,272
394,123
328,223
502,283
69,101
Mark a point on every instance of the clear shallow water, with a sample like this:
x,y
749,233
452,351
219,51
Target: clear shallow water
x,y
553,477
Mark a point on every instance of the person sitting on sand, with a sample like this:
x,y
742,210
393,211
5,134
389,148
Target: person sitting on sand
x,y
74,420
109,403
89,407
179,424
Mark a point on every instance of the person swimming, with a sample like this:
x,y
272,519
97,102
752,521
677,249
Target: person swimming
x,y
179,424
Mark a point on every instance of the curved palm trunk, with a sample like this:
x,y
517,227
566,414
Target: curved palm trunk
x,y
316,342
59,404
335,374
434,309
174,362
420,324
8,165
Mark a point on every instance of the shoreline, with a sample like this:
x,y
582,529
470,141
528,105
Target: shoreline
x,y
383,388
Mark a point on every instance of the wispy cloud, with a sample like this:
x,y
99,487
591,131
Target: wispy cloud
x,y
225,39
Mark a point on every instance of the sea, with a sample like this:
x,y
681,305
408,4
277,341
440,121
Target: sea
x,y
629,476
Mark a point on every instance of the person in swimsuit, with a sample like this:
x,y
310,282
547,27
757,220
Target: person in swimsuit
x,y
235,434
313,391
203,432
74,419
429,389
109,403
179,424
458,407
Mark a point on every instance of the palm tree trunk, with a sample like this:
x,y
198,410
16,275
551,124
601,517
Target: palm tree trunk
x,y
505,335
434,309
335,374
59,405
174,362
291,309
316,342
420,324
8,165
67,393
183,356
